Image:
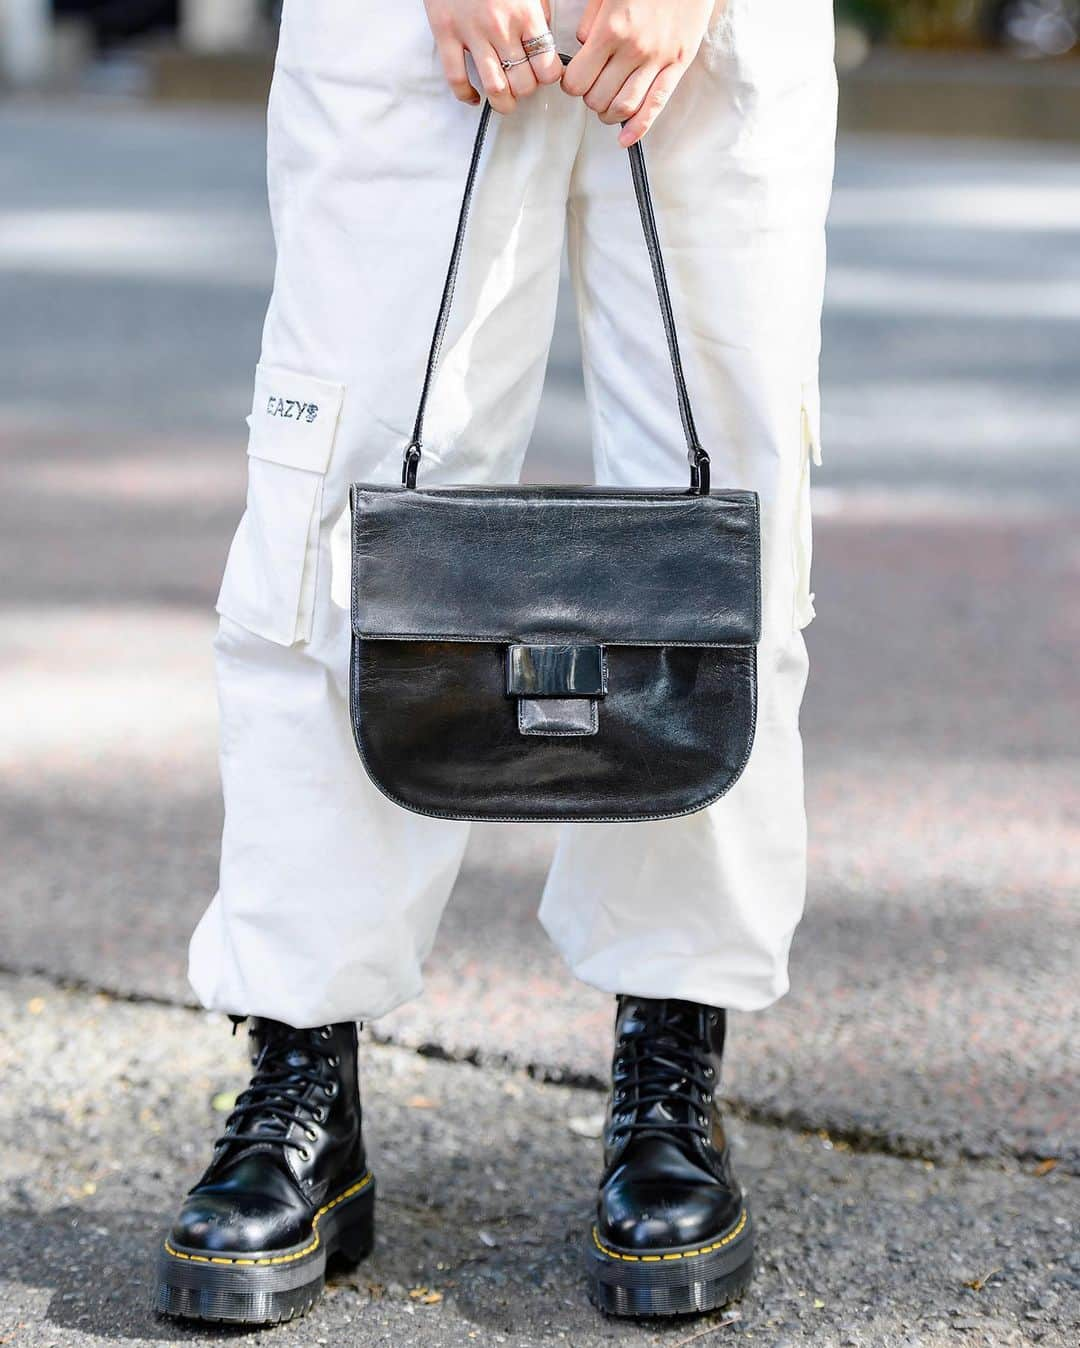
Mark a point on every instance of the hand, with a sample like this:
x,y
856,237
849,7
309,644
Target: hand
x,y
491,31
635,53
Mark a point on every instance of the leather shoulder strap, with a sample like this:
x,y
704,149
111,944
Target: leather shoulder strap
x,y
699,459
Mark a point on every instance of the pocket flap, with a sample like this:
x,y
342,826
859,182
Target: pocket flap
x,y
294,418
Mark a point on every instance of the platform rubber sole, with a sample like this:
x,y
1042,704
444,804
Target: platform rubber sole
x,y
677,1281
266,1288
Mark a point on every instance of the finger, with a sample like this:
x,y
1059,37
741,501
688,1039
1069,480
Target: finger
x,y
630,97
582,72
653,104
608,83
492,76
546,67
521,79
452,54
587,20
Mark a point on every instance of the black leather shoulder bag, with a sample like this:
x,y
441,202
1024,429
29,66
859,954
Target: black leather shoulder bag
x,y
554,653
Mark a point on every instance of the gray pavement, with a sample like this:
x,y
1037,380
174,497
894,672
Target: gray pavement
x,y
934,1009
485,1182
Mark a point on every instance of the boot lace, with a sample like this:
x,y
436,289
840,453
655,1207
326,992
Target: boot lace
x,y
665,1063
280,1094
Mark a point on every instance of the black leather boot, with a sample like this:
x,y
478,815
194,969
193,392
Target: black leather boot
x,y
673,1231
287,1189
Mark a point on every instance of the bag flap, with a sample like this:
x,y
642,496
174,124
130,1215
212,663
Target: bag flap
x,y
543,563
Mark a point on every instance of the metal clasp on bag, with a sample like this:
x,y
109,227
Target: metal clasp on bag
x,y
558,687
556,671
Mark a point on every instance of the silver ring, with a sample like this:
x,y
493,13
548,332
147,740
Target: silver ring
x,y
537,46
518,61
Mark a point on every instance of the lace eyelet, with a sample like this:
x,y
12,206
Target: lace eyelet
x,y
319,1114
331,1090
335,1061
304,1154
710,1072
326,1032
312,1135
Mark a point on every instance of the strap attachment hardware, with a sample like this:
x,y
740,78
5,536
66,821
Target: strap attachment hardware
x,y
410,464
700,474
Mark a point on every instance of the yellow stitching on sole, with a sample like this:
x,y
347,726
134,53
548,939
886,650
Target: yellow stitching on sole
x,y
680,1254
281,1258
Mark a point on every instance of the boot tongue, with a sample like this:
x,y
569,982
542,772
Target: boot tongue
x,y
282,1051
661,1043
285,1053
641,1018
296,1057
281,1043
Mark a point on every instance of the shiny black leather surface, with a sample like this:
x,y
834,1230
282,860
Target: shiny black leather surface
x,y
444,582
667,1178
521,564
259,1196
438,733
558,715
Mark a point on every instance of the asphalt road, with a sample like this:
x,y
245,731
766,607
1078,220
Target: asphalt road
x,y
485,1187
934,1011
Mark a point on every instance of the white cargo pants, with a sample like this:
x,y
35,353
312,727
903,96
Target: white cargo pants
x,y
330,895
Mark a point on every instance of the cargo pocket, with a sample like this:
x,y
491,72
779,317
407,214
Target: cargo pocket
x,y
803,544
271,573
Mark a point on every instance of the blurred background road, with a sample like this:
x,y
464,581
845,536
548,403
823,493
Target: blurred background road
x,y
934,1009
